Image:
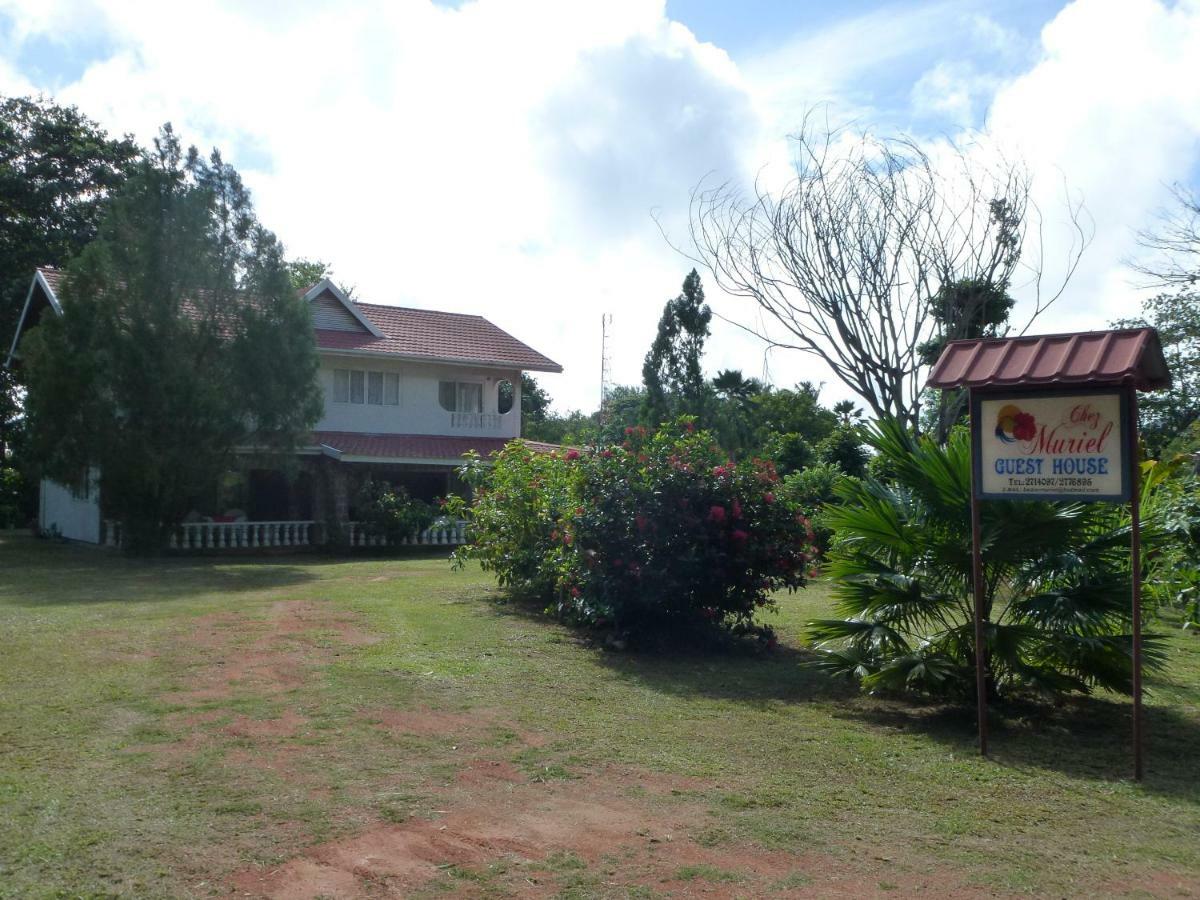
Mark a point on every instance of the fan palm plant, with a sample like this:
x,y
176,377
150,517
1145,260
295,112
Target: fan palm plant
x,y
1056,582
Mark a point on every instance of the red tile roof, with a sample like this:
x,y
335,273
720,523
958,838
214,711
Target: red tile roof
x,y
422,334
413,446
1092,357
441,336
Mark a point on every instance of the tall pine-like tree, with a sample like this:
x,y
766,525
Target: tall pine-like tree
x,y
182,341
671,373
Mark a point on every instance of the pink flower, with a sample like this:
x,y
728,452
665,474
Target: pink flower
x,y
719,471
606,453
572,454
716,514
575,592
629,430
568,539
739,537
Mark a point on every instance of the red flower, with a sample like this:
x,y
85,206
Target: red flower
x,y
737,508
718,471
568,539
629,430
739,537
606,453
1024,427
716,514
579,510
572,454
690,426
575,592
554,534
768,497
641,522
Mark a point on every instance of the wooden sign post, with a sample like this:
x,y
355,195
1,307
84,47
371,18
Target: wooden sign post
x,y
1055,418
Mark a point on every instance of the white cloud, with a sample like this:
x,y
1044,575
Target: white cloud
x,y
504,157
1112,107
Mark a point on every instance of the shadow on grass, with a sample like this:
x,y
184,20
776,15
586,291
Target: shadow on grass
x,y
1085,737
737,670
44,573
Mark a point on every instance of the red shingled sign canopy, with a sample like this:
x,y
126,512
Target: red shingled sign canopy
x,y
1091,357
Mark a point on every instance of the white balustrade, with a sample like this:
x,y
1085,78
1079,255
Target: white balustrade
x,y
257,535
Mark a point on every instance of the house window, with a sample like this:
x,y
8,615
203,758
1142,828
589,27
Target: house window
x,y
460,396
375,388
504,396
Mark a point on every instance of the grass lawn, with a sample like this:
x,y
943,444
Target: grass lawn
x,y
301,726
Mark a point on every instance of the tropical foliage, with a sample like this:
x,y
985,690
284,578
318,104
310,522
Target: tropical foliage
x,y
662,533
387,511
1056,580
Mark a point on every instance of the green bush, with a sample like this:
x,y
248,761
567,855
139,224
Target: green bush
x,y
657,536
1056,575
12,491
388,511
1173,576
812,490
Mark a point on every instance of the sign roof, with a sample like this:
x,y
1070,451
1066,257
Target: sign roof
x,y
1084,358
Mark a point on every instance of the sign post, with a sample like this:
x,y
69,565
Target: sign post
x,y
1055,418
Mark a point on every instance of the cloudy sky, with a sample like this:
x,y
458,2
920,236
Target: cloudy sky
x,y
512,157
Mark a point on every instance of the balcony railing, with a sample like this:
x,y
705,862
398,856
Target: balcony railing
x,y
487,421
257,535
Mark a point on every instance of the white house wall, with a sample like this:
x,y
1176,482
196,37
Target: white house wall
x,y
73,516
419,411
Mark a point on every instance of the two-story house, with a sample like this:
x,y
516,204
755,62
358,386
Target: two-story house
x,y
407,393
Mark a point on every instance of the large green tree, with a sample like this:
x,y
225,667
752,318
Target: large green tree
x,y
671,373
1167,415
182,341
57,167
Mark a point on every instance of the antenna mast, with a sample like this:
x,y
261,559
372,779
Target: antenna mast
x,y
605,364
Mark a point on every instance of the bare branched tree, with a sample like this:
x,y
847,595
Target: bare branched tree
x,y
847,259
1174,243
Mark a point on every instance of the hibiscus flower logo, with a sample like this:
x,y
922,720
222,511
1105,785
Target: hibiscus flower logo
x,y
1014,425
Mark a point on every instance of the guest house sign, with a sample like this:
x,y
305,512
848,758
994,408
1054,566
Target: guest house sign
x,y
1054,417
1051,446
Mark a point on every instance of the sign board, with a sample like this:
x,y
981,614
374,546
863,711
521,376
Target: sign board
x,y
1051,445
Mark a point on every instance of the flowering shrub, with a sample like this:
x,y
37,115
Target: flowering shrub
x,y
661,533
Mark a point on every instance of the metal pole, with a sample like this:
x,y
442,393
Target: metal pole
x,y
1135,562
977,587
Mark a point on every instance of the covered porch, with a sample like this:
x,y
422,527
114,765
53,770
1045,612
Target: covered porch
x,y
311,499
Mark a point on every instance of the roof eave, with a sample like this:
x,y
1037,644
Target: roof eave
x,y
509,366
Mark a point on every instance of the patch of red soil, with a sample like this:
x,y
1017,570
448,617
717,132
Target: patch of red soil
x,y
274,660
494,814
425,722
285,726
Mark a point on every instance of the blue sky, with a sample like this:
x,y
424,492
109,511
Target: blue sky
x,y
516,158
